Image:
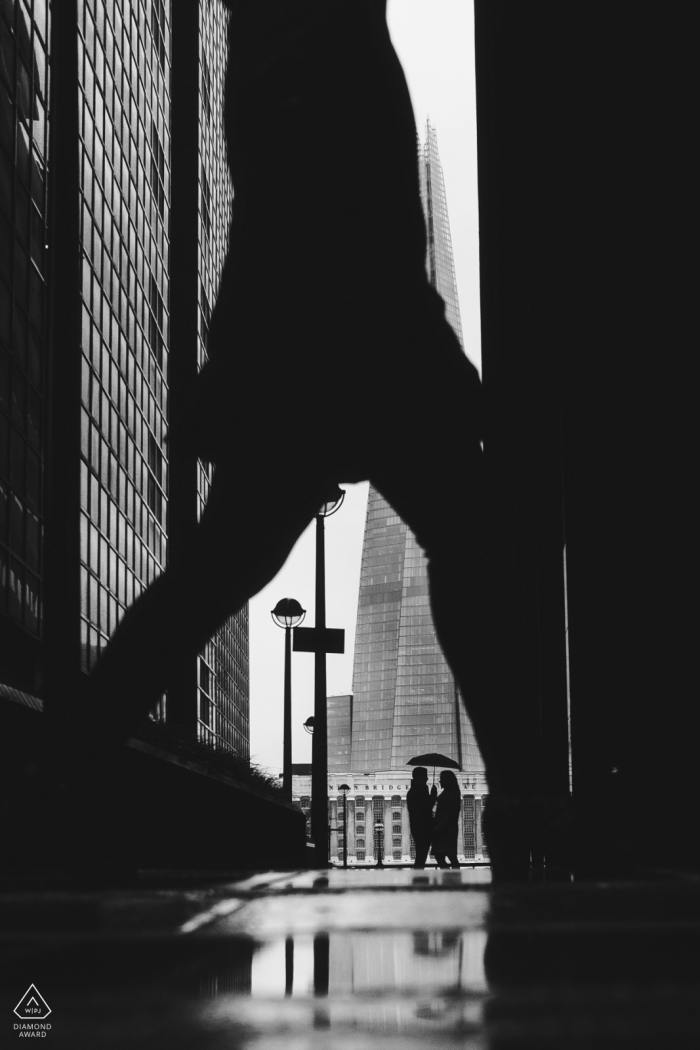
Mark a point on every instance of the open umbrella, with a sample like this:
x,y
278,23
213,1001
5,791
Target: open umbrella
x,y
434,759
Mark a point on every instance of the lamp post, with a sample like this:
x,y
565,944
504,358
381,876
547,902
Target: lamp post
x,y
379,828
320,640
345,788
319,751
288,614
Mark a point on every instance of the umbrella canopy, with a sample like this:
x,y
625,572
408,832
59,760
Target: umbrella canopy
x,y
434,759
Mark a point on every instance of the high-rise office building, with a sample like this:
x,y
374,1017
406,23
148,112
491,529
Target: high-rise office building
x,y
125,110
24,65
88,386
339,733
405,698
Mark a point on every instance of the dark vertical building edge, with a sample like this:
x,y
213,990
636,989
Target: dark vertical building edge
x,y
587,185
522,384
63,364
182,697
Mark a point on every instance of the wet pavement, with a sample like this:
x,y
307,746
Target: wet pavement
x,y
357,960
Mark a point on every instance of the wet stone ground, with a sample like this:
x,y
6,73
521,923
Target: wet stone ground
x,y
357,960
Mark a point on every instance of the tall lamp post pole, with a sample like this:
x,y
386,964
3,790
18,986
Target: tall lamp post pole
x,y
345,788
288,614
379,828
320,640
319,746
319,751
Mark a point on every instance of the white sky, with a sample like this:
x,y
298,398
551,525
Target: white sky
x,y
435,42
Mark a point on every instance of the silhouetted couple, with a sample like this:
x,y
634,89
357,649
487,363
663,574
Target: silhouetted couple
x,y
326,335
439,829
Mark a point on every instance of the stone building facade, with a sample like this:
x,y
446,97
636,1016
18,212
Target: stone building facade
x,y
380,798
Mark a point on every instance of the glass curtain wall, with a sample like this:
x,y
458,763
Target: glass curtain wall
x,y
440,261
125,190
125,142
24,86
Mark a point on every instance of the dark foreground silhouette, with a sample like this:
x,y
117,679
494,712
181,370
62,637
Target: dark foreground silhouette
x,y
325,317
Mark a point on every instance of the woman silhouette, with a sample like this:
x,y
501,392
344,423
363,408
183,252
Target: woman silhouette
x,y
446,821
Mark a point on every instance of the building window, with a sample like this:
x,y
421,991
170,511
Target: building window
x,y
360,829
396,815
204,676
397,854
158,30
360,843
206,202
205,316
378,815
469,825
155,321
157,169
360,854
154,494
396,842
206,88
204,705
396,829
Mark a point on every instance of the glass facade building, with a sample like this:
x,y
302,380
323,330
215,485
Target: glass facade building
x,y
405,698
339,715
440,261
24,129
125,77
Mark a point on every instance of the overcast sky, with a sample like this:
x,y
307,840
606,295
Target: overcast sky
x,y
434,40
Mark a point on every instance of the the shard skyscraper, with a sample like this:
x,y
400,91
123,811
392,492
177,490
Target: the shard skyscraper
x,y
405,699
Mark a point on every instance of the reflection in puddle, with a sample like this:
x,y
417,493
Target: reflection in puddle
x,y
369,962
412,984
423,984
357,963
226,972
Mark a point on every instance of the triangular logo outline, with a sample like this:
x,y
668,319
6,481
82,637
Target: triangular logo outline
x,y
40,1004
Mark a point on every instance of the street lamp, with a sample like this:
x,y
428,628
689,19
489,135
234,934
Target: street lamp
x,y
319,749
379,828
309,725
345,788
288,614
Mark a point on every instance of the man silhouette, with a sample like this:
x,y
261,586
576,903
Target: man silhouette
x,y
420,804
